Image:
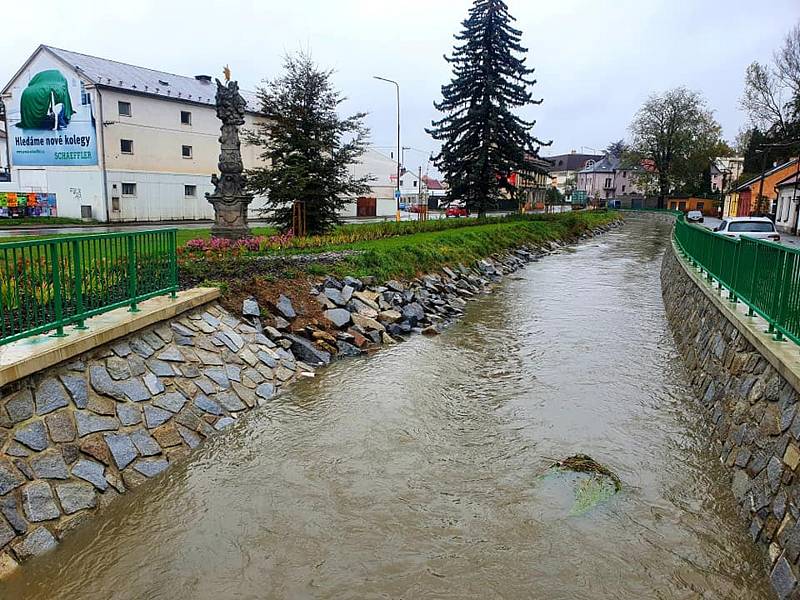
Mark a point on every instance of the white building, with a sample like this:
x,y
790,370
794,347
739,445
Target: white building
x,y
380,202
130,144
787,208
116,142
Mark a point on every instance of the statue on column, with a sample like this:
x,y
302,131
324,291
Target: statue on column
x,y
230,198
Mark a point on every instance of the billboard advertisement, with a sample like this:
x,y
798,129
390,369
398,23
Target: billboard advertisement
x,y
51,122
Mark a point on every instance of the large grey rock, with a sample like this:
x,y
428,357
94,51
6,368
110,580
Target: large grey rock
x,y
267,359
171,354
347,349
141,348
265,390
223,423
160,368
154,416
121,349
307,352
218,376
335,296
189,436
33,435
91,471
77,388
50,396
11,511
250,308
20,406
230,402
172,401
284,306
6,533
9,478
145,443
122,449
118,368
134,390
234,372
76,496
338,316
129,414
783,579
205,404
151,468
38,502
103,384
36,543
49,465
89,423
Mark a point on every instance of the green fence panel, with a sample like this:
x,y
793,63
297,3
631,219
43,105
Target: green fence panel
x,y
47,285
764,275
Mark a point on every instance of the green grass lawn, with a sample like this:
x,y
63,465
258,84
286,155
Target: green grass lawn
x,y
43,221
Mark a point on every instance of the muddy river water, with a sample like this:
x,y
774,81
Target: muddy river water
x,y
415,473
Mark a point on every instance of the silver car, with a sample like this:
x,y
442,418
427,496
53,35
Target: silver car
x,y
757,227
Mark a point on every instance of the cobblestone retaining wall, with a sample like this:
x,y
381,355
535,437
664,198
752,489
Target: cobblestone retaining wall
x,y
77,435
754,411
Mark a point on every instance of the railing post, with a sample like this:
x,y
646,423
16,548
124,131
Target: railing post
x,y
783,301
77,277
132,287
57,299
173,262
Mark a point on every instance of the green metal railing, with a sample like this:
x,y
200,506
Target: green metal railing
x,y
50,284
763,275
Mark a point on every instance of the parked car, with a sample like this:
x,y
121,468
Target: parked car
x,y
694,216
456,211
757,227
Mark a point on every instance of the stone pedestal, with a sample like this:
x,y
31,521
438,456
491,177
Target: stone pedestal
x,y
230,216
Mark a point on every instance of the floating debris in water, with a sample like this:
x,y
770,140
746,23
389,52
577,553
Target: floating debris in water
x,y
591,482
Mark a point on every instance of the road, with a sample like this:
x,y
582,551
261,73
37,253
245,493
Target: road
x,y
786,239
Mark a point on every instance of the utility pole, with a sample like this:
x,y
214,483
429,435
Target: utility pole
x,y
397,190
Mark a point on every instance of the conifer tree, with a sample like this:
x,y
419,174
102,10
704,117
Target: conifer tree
x,y
307,147
483,141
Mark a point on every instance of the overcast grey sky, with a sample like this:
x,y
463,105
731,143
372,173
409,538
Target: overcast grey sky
x,y
596,61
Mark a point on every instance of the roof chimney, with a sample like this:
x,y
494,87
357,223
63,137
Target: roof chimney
x,y
203,78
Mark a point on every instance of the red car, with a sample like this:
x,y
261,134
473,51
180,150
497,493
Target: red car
x,y
457,211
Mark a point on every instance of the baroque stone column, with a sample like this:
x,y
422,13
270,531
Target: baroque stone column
x,y
230,198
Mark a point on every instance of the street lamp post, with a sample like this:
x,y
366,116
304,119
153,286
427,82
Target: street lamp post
x,y
397,192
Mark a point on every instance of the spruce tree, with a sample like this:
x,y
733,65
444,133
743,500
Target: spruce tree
x,y
483,141
308,148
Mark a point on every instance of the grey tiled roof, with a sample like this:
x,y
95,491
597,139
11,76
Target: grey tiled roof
x,y
130,78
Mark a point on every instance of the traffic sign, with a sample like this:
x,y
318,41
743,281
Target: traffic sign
x,y
397,194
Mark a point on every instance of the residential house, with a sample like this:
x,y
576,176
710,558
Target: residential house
x,y
532,185
788,205
564,169
759,194
607,179
437,191
725,171
4,173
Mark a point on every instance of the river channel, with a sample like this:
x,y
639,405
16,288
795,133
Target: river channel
x,y
416,473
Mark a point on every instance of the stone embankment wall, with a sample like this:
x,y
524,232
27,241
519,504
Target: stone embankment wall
x,y
76,435
754,411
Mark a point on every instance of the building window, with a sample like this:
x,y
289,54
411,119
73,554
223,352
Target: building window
x,y
186,151
624,174
700,206
623,189
128,189
415,183
124,108
190,190
126,146
186,117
